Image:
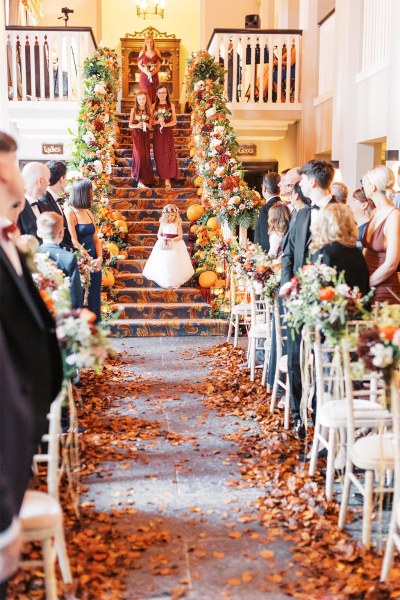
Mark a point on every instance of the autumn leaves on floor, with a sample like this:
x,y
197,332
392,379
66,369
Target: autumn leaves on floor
x,y
191,489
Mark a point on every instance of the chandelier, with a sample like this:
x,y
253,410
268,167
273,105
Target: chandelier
x,y
150,8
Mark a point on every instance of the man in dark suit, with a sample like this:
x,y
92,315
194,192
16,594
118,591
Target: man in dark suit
x,y
270,191
51,230
316,178
36,177
50,200
31,350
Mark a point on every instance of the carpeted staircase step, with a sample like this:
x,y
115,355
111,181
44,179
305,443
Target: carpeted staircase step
x,y
178,196
163,310
139,252
168,327
186,180
141,214
125,279
130,265
124,156
125,170
149,295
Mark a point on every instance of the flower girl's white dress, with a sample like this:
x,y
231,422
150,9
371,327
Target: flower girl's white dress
x,y
169,268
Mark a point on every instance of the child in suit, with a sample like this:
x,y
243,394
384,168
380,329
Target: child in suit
x,y
51,231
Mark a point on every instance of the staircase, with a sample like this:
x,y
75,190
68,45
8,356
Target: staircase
x,y
146,310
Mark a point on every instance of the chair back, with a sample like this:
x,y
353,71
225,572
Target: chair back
x,y
260,311
52,438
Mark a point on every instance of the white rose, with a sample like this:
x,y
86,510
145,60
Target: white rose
x,y
88,138
98,166
396,338
99,88
106,118
383,356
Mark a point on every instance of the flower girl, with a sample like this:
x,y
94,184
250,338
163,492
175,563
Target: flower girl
x,y
169,263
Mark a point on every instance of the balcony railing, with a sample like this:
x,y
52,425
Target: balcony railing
x,y
46,63
263,66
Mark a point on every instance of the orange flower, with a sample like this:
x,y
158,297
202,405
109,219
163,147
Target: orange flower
x,y
388,331
261,268
327,293
88,315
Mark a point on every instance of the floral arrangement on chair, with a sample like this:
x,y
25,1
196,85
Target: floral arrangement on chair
x,y
254,265
317,295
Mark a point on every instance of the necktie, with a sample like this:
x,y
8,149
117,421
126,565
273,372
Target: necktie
x,y
314,207
35,204
6,231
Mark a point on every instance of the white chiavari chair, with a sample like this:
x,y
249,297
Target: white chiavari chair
x,y
240,312
393,541
373,453
281,364
259,334
41,513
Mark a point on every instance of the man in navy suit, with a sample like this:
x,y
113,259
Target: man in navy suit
x,y
36,178
51,230
32,349
50,200
270,192
316,179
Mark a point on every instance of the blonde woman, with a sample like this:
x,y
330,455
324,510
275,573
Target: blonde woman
x,y
382,237
149,63
362,209
334,242
169,263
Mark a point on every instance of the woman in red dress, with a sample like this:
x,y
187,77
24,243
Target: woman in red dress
x,y
382,237
140,121
164,119
149,63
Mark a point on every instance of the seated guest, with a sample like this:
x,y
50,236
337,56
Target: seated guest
x,y
36,178
334,242
51,230
278,225
381,238
50,201
362,209
340,191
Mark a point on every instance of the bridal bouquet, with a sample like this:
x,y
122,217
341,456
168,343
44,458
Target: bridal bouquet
x,y
162,114
86,267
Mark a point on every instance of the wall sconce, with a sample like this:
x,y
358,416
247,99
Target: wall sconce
x,y
150,8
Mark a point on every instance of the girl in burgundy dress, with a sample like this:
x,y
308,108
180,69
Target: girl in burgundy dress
x,y
140,122
149,63
164,119
382,237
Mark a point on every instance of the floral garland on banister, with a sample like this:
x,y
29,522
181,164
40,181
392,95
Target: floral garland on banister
x,y
93,157
215,145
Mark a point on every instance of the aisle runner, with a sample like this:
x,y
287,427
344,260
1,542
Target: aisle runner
x,y
146,309
198,500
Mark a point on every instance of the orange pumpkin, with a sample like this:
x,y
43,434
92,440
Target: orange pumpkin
x,y
121,226
117,215
107,278
207,279
112,248
194,212
213,223
123,254
220,283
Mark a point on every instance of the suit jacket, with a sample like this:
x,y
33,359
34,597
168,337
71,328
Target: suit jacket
x,y
16,438
349,260
32,344
67,262
27,220
296,252
261,229
48,204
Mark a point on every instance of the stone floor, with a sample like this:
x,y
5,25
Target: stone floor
x,y
183,489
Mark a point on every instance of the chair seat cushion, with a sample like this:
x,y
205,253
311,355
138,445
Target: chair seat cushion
x,y
259,331
39,511
373,452
366,413
241,309
283,364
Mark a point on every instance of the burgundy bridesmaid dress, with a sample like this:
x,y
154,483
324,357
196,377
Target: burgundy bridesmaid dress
x,y
145,84
164,151
142,169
